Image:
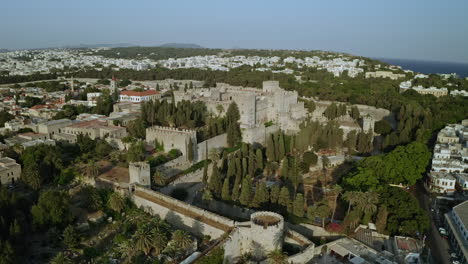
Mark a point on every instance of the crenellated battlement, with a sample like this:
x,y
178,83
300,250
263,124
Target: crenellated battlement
x,y
170,129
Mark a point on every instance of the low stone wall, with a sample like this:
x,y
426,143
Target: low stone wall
x,y
182,215
309,231
174,167
228,210
294,237
117,143
304,256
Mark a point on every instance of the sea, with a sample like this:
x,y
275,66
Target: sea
x,y
427,67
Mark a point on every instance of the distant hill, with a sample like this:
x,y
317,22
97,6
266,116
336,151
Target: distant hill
x,y
181,46
4,50
83,46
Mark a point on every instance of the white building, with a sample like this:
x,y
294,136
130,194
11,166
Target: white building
x,y
136,97
450,159
10,171
92,98
457,222
459,92
442,182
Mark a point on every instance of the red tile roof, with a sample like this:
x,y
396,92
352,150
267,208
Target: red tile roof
x,y
135,93
39,106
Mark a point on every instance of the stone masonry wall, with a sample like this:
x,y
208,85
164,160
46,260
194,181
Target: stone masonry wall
x,y
171,138
209,144
258,134
182,215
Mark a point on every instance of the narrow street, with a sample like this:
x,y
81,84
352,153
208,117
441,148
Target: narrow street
x,y
440,249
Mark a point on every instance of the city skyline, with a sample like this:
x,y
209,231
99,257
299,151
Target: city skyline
x,y
355,28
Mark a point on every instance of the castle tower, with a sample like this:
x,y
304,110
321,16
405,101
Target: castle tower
x,y
139,173
368,124
113,83
72,84
267,233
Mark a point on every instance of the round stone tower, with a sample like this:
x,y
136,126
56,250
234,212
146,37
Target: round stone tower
x,y
267,233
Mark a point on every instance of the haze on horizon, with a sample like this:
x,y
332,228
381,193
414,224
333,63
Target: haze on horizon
x,y
423,30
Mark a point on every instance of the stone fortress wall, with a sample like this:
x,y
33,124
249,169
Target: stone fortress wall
x,y
256,106
204,148
266,233
139,172
182,215
258,134
171,138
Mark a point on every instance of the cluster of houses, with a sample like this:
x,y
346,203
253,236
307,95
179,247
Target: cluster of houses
x,y
27,62
334,65
437,92
450,159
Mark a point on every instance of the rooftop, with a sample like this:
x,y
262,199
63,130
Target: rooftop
x,y
135,93
462,211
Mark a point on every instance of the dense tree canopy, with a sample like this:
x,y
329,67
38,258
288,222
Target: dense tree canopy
x,y
404,165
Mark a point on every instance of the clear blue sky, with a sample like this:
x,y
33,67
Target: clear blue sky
x,y
415,29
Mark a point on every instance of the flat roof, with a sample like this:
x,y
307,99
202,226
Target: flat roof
x,y
462,211
135,93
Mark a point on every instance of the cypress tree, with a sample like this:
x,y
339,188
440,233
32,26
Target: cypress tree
x,y
270,149
298,205
281,147
234,135
244,150
215,184
190,150
274,194
285,171
263,194
238,166
235,188
354,113
256,201
244,166
231,170
277,147
259,159
225,192
252,163
284,197
205,172
294,176
246,191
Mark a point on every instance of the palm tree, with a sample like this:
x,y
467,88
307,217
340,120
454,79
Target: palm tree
x,y
117,202
159,241
354,218
61,258
352,198
369,203
160,225
336,191
181,239
143,239
92,170
126,250
277,257
137,217
158,178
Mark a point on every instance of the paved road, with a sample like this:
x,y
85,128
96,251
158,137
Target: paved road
x,y
440,249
